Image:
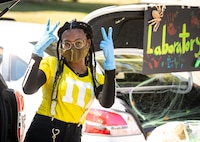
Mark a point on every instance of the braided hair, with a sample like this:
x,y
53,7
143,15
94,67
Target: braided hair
x,y
89,59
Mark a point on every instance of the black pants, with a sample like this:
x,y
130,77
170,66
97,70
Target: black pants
x,y
41,128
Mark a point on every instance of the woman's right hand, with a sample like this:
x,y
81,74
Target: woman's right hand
x,y
46,40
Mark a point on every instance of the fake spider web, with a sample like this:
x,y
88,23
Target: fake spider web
x,y
157,108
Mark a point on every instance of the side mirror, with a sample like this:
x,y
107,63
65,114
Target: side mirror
x,y
13,3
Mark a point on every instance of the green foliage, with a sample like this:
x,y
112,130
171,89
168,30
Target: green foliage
x,y
28,6
39,11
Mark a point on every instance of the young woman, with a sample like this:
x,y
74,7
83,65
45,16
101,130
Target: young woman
x,y
69,81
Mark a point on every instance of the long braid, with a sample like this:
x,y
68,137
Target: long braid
x,y
93,67
57,78
60,66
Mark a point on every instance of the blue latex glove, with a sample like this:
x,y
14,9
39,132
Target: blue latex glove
x,y
108,49
46,40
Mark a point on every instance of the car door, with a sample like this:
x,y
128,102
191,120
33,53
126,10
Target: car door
x,y
8,113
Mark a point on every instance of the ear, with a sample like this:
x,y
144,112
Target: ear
x,y
89,42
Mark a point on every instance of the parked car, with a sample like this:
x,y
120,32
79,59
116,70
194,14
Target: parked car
x,y
16,49
150,101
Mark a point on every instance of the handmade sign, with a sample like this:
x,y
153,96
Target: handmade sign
x,y
171,39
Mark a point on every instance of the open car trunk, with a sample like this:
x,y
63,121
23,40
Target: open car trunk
x,y
127,27
155,107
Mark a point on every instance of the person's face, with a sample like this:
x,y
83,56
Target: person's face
x,y
74,38
75,45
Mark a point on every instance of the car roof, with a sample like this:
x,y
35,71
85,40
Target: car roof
x,y
113,9
14,30
172,2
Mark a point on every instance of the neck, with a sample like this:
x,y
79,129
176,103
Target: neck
x,y
79,67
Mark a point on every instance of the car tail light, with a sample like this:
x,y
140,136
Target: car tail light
x,y
110,123
21,115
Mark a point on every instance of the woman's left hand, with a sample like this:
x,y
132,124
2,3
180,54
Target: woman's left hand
x,y
108,49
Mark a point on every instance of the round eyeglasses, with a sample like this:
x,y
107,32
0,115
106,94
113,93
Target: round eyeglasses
x,y
78,44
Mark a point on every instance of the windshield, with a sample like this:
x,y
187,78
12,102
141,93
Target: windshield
x,y
155,98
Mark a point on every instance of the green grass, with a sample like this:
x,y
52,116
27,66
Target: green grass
x,y
40,12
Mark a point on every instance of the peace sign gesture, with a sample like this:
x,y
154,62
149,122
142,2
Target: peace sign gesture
x,y
108,48
48,31
46,40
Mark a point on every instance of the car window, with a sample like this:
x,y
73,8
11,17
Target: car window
x,y
18,67
129,74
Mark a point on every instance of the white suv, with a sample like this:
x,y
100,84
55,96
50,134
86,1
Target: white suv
x,y
16,47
